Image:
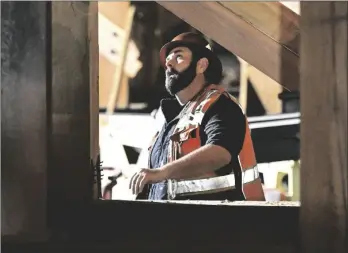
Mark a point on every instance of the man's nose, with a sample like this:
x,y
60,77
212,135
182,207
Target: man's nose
x,y
169,63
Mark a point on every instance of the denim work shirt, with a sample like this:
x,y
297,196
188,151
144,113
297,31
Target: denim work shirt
x,y
158,156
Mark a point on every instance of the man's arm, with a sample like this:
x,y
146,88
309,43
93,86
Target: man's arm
x,y
206,159
224,130
224,127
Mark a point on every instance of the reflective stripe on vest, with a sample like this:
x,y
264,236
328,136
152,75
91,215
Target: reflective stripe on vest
x,y
210,185
186,139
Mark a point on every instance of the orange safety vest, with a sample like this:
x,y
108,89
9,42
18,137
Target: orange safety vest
x,y
186,138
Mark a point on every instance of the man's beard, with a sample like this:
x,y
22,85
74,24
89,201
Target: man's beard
x,y
177,81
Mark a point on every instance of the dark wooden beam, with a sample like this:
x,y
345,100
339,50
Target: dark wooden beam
x,y
24,128
70,168
94,85
324,91
45,112
249,33
170,226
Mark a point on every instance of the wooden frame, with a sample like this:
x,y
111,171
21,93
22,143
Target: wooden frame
x,y
72,209
78,222
105,211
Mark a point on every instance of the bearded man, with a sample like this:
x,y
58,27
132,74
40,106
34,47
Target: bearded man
x,y
204,150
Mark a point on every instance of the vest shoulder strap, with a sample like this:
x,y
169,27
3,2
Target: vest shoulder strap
x,y
203,104
206,101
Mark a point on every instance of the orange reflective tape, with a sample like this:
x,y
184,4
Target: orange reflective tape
x,y
253,191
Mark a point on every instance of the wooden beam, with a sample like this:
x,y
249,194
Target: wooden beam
x,y
45,109
248,227
267,90
119,70
24,120
271,18
243,84
324,91
94,84
273,54
70,174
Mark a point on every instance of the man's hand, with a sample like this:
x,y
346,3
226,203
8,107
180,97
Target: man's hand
x,y
145,176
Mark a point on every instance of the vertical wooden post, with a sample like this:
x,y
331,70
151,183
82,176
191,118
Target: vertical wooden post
x,y
94,84
70,172
243,84
324,169
45,113
24,125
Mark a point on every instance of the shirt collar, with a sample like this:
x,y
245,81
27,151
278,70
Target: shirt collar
x,y
170,108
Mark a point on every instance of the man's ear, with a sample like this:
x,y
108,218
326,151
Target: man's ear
x,y
202,65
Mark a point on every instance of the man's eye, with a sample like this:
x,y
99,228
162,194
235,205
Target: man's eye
x,y
179,57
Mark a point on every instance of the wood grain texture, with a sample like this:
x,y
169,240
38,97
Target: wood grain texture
x,y
240,37
23,120
272,18
324,168
94,84
70,173
132,226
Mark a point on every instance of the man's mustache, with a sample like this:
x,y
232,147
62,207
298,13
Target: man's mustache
x,y
170,72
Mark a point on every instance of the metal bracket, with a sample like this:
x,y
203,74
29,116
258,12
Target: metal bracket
x,y
97,170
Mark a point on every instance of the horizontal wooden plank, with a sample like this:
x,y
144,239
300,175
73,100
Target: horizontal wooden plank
x,y
251,227
245,226
242,38
227,203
